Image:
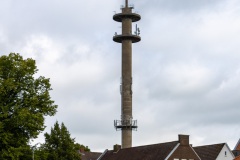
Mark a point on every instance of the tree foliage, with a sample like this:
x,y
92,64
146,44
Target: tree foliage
x,y
59,145
24,101
81,147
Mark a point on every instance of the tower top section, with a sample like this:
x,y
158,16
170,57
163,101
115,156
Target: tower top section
x,y
126,3
126,13
126,18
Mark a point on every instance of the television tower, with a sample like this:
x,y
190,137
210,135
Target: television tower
x,y
126,124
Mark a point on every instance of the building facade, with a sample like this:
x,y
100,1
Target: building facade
x,y
215,152
175,150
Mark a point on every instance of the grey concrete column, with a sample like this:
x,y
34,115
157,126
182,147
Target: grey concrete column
x,y
126,138
126,83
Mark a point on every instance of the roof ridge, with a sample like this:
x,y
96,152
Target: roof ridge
x,y
93,152
210,145
149,145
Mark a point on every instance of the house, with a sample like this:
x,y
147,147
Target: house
x,y
176,150
236,150
237,158
214,152
89,155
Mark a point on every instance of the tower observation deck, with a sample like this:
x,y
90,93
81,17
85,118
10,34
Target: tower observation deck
x,y
126,124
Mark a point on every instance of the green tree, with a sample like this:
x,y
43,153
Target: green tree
x,y
59,145
41,153
81,147
24,101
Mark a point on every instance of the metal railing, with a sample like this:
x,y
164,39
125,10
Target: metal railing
x,y
120,124
129,6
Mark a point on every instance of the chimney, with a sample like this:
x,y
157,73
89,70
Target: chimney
x,y
116,147
183,140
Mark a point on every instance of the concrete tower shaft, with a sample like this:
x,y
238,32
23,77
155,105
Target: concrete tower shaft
x,y
126,124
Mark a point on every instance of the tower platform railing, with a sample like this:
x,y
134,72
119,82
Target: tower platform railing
x,y
129,6
125,124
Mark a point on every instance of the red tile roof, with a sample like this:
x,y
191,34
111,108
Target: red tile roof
x,y
209,152
237,158
237,147
149,152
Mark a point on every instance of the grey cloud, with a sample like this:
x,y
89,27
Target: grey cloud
x,y
183,6
185,69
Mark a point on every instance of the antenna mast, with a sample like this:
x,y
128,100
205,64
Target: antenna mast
x,y
126,38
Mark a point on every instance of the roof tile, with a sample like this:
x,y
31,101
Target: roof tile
x,y
209,152
90,155
149,152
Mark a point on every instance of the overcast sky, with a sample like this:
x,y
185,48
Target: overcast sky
x,y
186,69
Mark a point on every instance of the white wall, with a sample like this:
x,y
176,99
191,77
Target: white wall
x,y
228,156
